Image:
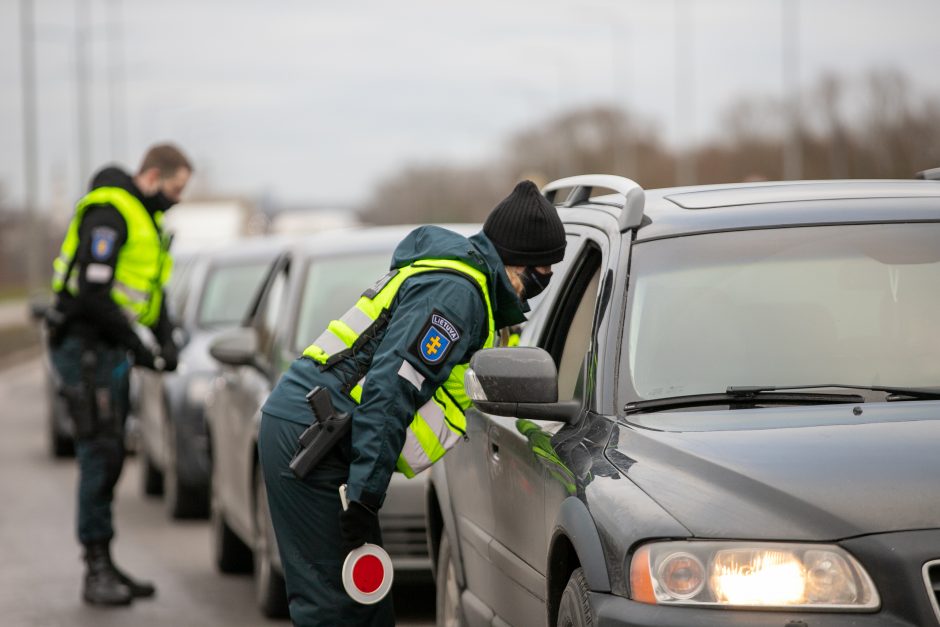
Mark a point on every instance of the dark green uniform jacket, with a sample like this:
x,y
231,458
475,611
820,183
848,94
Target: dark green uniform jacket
x,y
389,400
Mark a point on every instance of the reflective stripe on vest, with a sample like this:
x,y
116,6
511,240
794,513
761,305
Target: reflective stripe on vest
x,y
439,424
143,264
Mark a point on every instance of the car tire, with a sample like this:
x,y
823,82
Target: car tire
x,y
229,553
575,608
182,501
449,612
270,590
151,479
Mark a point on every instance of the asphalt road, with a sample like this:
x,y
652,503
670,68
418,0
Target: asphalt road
x,y
40,561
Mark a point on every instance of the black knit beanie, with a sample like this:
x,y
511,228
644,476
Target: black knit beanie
x,y
525,228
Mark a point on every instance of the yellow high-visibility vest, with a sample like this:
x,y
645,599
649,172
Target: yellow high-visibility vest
x,y
143,265
439,424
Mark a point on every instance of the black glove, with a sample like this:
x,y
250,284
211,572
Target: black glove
x,y
358,525
144,357
170,355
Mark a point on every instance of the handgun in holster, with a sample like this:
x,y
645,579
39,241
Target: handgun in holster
x,y
90,405
320,437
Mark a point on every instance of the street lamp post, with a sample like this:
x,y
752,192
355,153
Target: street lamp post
x,y
28,77
792,149
83,123
685,95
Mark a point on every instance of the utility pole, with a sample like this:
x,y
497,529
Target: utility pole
x,y
792,149
685,95
116,81
83,123
34,246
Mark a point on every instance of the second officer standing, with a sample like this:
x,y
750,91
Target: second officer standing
x,y
109,276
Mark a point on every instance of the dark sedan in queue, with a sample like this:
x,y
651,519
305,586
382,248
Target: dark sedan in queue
x,y
725,411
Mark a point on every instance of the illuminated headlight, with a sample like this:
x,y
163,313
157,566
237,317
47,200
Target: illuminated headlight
x,y
197,389
752,575
472,384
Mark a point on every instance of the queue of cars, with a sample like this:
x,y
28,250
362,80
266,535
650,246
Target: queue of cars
x,y
722,411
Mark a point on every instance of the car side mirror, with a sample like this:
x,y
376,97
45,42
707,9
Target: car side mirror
x,y
235,347
521,382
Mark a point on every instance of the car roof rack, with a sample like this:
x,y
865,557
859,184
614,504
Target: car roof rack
x,y
933,174
634,198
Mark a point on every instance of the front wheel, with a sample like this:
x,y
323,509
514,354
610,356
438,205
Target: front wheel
x,y
575,608
182,500
449,611
229,553
151,479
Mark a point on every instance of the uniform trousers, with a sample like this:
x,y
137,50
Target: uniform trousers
x,y
98,416
305,515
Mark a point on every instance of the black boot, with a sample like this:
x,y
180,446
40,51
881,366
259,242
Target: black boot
x,y
102,586
139,589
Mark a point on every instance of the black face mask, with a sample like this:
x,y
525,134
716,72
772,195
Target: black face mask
x,y
159,202
533,282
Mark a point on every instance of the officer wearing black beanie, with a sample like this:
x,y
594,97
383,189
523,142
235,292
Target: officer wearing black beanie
x,y
528,235
392,363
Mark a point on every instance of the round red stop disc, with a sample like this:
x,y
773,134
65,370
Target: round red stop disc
x,y
367,574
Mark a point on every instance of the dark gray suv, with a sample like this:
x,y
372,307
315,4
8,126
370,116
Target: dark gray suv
x,y
725,411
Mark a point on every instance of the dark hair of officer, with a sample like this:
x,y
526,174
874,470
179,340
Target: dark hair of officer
x,y
166,158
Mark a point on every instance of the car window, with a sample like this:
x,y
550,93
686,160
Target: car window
x,y
177,289
331,286
269,310
228,292
542,304
577,340
850,304
569,330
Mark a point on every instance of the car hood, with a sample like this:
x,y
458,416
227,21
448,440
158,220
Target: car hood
x,y
792,473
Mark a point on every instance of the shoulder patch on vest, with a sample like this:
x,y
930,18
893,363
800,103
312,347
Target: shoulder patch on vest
x,y
437,337
102,242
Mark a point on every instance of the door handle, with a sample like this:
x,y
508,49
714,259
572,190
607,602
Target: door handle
x,y
494,451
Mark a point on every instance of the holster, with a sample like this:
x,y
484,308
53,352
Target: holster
x,y
90,405
322,436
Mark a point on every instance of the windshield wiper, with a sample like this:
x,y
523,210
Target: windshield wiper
x,y
894,392
740,397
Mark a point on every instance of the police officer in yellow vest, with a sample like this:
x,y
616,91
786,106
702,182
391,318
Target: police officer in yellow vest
x,y
109,275
395,361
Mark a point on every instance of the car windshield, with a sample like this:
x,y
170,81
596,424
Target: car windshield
x,y
332,286
228,293
853,304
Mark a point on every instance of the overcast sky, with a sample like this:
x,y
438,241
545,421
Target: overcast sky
x,y
315,102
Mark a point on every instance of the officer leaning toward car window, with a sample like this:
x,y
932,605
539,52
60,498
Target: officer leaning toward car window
x,y
395,362
108,276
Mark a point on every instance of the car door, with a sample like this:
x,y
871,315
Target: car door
x,y
247,387
523,464
470,479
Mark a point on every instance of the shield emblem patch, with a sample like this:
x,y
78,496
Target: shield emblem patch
x,y
434,345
